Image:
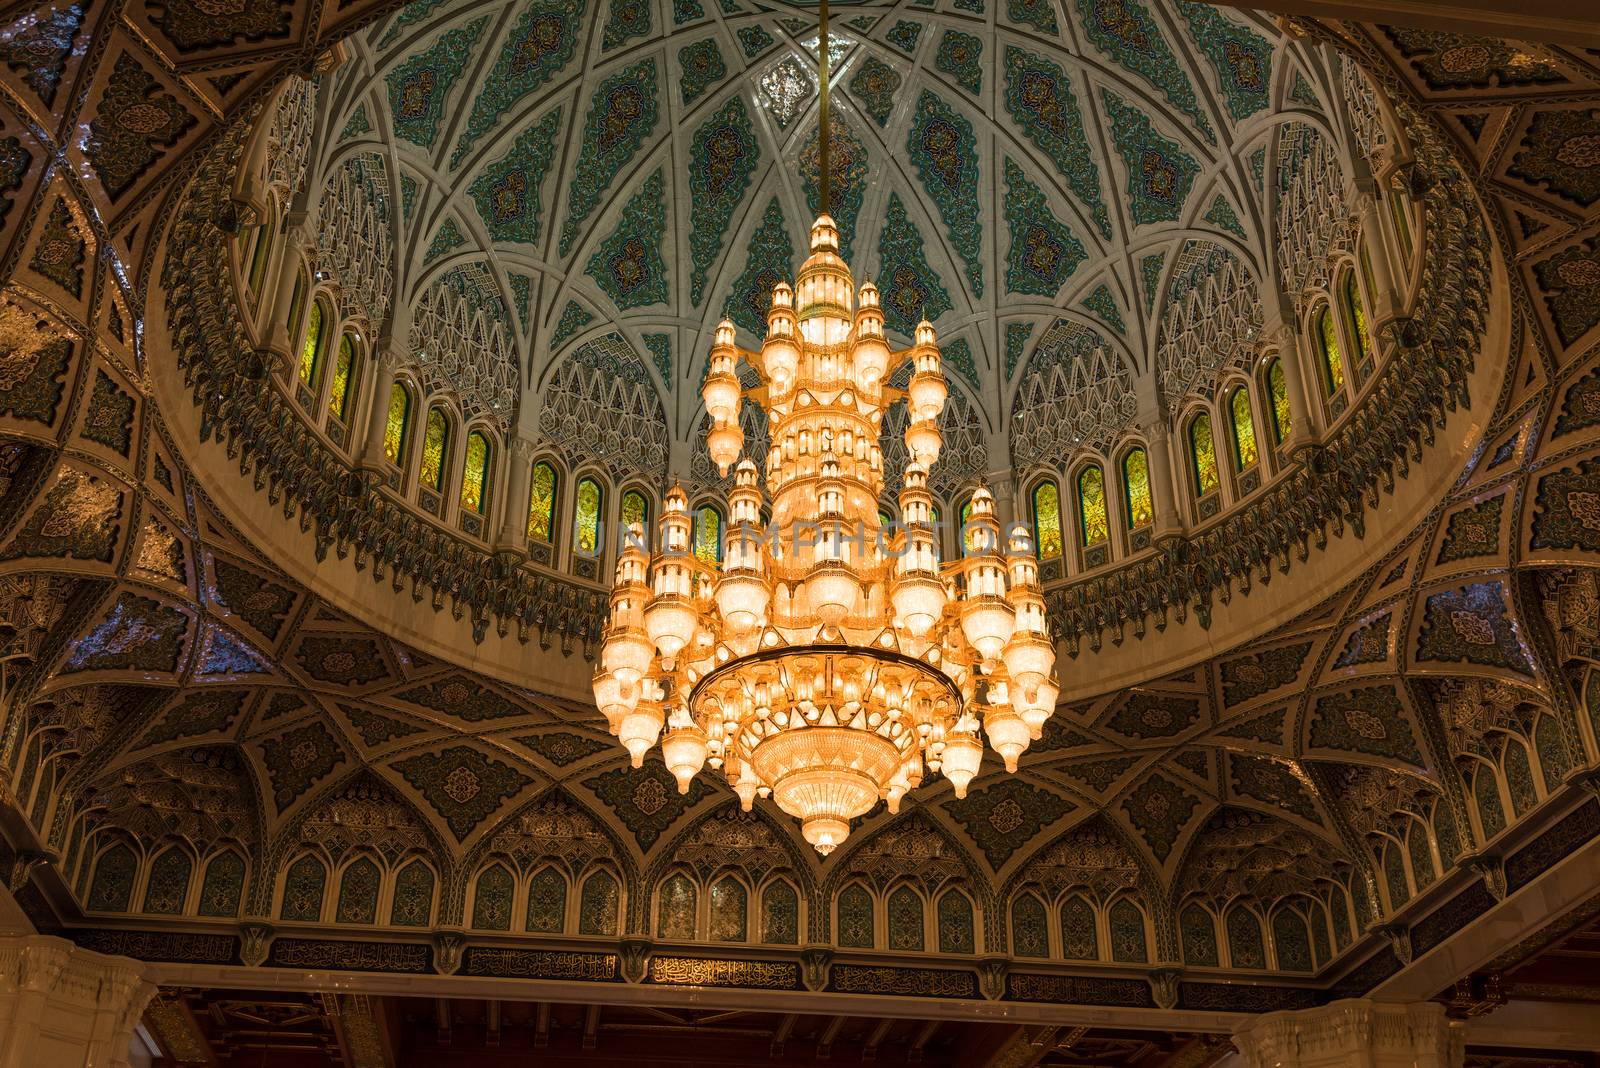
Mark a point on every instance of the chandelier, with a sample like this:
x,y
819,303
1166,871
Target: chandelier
x,y
829,660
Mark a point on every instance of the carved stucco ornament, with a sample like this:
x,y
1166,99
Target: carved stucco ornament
x,y
815,965
635,957
992,977
255,939
1164,987
447,948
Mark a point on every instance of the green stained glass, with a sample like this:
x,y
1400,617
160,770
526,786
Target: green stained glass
x,y
542,502
311,348
1136,488
1047,519
969,541
434,441
1358,316
1328,340
636,511
475,474
259,256
1203,454
708,535
1092,520
590,497
1244,429
343,378
1282,417
398,426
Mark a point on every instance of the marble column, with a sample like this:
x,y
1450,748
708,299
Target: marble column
x,y
511,534
1355,1033
298,234
1164,487
389,357
1299,373
1387,300
65,1007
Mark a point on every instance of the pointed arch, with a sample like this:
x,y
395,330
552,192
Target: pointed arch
x,y
222,885
547,901
1030,931
493,893
304,886
780,913
677,907
111,890
855,926
413,895
905,919
166,889
359,883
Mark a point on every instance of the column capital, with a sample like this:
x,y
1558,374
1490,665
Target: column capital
x,y
1354,1033
522,449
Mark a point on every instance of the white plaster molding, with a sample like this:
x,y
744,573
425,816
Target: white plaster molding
x,y
1354,1033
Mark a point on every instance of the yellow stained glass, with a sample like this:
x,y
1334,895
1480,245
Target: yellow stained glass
x,y
1358,316
343,377
1047,520
542,502
708,535
311,348
1092,506
636,510
969,542
1203,452
434,441
475,474
1136,488
398,426
1278,386
259,255
590,497
1244,428
1328,340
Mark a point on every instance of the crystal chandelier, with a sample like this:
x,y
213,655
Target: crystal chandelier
x,y
829,659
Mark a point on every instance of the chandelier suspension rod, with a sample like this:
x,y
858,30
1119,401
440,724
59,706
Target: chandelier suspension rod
x,y
822,124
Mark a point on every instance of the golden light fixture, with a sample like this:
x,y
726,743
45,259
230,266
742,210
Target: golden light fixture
x,y
827,659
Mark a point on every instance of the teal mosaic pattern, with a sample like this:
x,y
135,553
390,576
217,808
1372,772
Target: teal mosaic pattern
x,y
491,899
847,158
1258,167
408,196
1158,809
409,15
686,11
463,786
660,346
646,800
957,355
874,85
598,904
303,890
904,914
509,192
703,67
358,893
574,317
359,124
722,157
446,239
622,114
413,896
1223,217
1101,303
168,886
1043,251
113,880
547,902
753,40
770,260
1241,57
903,35
1005,816
522,296
628,264
539,45
223,885
419,87
1150,275
1039,14
1039,99
1017,335
960,55
626,20
1030,932
1125,31
943,150
956,931
910,289
855,928
1160,174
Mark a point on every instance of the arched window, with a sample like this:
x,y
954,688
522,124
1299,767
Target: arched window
x,y
1402,220
491,900
397,426
1292,941
311,349
675,908
168,887
435,440
1079,939
1327,339
1421,855
1491,810
586,520
1029,937
475,473
780,914
1199,936
542,502
1245,944
1394,874
905,920
547,901
730,910
1047,520
303,887
413,896
1136,488
1519,777
222,886
260,254
855,926
296,301
1278,387
969,541
708,535
1244,428
598,904
955,923
112,888
1093,523
344,378
1125,922
1203,455
1356,317
358,893
636,511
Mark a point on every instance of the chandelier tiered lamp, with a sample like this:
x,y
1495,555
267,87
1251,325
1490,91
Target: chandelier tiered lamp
x,y
829,659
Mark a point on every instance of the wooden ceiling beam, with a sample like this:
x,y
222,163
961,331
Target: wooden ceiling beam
x,y
591,1026
491,1024
825,1040
781,1035
919,1042
441,1011
541,1025
1555,21
869,1052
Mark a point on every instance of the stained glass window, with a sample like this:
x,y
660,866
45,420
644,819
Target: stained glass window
x,y
302,890
905,920
1394,874
113,880
259,256
1292,940
1357,313
708,535
1244,428
475,473
1519,778
1092,521
1079,939
223,885
1203,455
435,439
1199,936
780,914
413,896
1402,221
1421,855
1029,938
587,520
311,347
1282,417
1047,520
730,910
344,368
969,543
547,901
1328,342
397,427
1245,948
675,908
636,511
1319,934
295,301
358,893
1491,811
955,923
855,918
1136,488
491,900
542,502
1126,925
1553,760
169,882
598,904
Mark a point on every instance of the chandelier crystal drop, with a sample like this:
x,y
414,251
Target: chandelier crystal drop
x,y
828,660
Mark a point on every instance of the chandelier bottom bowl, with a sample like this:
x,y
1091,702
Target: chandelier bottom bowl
x,y
826,776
